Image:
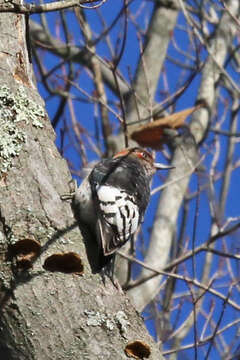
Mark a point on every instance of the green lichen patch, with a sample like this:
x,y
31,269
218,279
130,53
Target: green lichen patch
x,y
110,322
26,109
15,108
95,318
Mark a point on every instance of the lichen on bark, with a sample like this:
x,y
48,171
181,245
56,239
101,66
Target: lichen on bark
x,y
15,108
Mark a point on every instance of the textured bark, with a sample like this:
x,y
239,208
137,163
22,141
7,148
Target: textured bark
x,y
46,315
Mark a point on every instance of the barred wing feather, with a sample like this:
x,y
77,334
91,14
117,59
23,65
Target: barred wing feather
x,y
118,220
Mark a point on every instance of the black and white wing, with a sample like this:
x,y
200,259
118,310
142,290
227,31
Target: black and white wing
x,y
118,218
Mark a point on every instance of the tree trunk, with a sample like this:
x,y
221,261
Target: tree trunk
x,y
46,314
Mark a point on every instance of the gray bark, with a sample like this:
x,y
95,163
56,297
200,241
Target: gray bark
x,y
46,315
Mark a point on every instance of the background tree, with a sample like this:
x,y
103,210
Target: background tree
x,y
107,71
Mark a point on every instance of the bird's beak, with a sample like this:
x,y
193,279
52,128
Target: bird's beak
x,y
159,166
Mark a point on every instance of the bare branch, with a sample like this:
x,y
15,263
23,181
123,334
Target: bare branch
x,y
29,9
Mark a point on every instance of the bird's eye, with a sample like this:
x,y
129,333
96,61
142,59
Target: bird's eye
x,y
144,155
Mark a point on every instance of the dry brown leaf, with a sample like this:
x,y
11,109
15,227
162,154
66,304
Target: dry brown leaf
x,y
152,134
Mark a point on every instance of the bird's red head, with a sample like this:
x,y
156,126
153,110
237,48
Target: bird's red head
x,y
144,156
135,152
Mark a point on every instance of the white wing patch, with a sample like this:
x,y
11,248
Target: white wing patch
x,y
119,210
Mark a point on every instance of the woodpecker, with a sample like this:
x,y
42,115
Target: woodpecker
x,y
113,198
